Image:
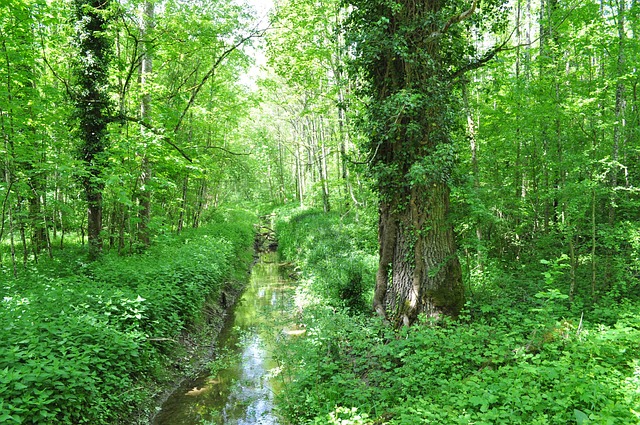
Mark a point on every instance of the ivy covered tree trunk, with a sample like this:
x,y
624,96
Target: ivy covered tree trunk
x,y
413,53
92,102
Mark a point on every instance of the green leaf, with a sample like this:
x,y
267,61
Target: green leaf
x,y
581,417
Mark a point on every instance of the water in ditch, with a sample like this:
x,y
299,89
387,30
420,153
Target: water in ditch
x,y
240,389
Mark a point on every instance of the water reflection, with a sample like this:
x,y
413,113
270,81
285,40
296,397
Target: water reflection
x,y
241,393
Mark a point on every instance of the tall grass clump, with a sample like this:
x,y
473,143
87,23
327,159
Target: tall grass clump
x,y
87,347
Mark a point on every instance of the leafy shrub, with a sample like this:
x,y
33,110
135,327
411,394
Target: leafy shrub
x,y
78,348
488,373
520,353
334,252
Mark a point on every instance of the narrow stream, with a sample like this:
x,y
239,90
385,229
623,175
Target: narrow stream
x,y
241,391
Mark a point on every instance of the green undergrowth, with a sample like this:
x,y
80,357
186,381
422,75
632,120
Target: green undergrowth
x,y
335,256
521,356
86,346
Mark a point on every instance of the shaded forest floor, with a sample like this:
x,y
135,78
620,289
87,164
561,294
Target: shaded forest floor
x,y
519,353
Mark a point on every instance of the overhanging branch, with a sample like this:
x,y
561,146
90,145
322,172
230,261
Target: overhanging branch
x,y
230,152
155,131
456,19
461,17
478,62
194,93
212,71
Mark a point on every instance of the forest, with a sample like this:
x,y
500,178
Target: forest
x,y
452,185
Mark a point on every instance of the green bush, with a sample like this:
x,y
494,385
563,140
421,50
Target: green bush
x,y
336,255
507,371
519,353
79,348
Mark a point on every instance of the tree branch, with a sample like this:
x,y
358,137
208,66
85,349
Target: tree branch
x,y
157,133
182,83
475,64
135,64
455,19
230,152
461,17
562,21
478,62
53,71
211,72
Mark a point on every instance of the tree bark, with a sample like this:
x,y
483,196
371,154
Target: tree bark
x,y
413,74
419,271
146,70
92,101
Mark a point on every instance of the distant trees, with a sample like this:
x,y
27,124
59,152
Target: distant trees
x,y
556,122
30,112
122,111
306,51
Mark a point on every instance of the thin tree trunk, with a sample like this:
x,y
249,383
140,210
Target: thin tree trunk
x,y
200,204
122,227
300,175
92,102
23,239
12,244
146,70
593,242
618,133
618,129
343,135
324,178
475,169
183,203
8,133
281,179
45,226
574,266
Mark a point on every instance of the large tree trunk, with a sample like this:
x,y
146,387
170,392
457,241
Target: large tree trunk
x,y
419,271
93,194
411,118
